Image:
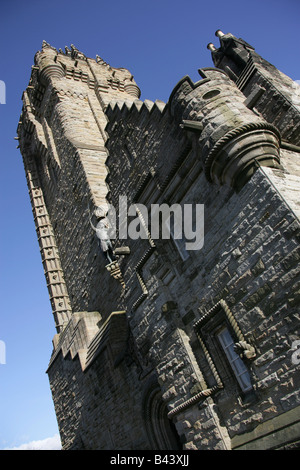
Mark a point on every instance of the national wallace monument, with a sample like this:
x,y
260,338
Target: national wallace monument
x,y
187,342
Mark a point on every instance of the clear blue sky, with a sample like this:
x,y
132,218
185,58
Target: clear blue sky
x,y
159,41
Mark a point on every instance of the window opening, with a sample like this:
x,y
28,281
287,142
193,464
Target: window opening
x,y
174,228
239,368
218,332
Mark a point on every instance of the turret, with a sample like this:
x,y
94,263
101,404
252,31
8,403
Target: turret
x,y
62,138
230,139
48,65
269,92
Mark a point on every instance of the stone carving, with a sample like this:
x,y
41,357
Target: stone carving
x,y
102,229
245,350
114,269
102,232
99,60
76,54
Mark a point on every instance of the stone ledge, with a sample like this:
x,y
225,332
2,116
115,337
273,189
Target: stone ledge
x,y
273,433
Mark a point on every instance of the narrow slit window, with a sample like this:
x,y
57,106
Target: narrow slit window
x,y
180,242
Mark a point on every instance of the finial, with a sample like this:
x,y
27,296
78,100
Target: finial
x,y
45,44
100,61
211,47
75,53
219,33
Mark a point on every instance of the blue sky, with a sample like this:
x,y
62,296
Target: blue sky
x,y
159,41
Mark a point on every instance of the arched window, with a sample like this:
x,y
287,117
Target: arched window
x,y
160,429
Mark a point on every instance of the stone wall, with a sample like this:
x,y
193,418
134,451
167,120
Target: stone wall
x,y
249,259
97,398
139,364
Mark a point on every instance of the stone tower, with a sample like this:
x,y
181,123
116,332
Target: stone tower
x,y
166,343
62,138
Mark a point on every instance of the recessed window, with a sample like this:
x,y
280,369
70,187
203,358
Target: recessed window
x,y
238,366
218,336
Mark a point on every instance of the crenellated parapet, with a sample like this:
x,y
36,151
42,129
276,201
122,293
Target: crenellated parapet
x,y
53,64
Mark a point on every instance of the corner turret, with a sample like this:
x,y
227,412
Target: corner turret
x,y
269,92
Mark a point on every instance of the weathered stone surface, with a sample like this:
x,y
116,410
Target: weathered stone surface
x,y
130,368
